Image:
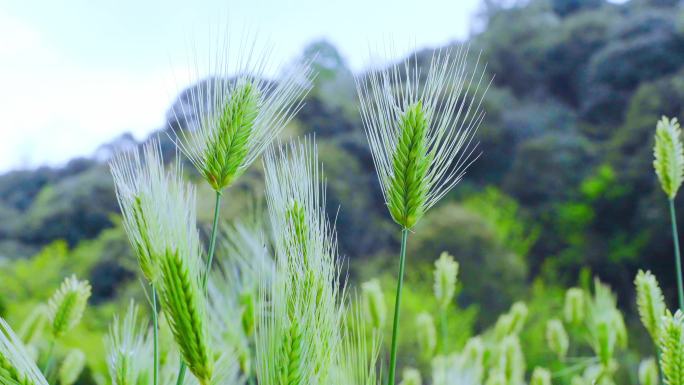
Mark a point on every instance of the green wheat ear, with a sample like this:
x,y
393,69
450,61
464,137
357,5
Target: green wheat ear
x,y
426,332
411,376
650,302
557,338
672,348
374,303
408,186
648,372
16,367
574,306
34,325
446,273
71,367
228,146
540,376
67,305
669,155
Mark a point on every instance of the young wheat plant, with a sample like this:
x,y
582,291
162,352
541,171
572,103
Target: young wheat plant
x,y
669,167
298,331
421,139
159,217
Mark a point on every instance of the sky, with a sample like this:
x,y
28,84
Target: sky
x,y
75,74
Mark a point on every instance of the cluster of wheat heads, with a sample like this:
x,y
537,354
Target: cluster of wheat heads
x,y
583,342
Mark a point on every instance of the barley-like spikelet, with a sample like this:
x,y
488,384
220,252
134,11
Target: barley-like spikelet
x,y
66,306
672,348
650,302
411,376
71,367
606,323
374,303
129,348
540,376
648,372
152,203
298,332
34,325
232,117
669,156
511,362
421,133
160,219
511,323
574,306
426,333
557,338
16,367
457,369
446,273
474,352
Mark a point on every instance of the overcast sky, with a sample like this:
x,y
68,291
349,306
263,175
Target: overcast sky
x,y
77,73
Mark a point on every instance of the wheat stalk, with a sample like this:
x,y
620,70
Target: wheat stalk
x,y
421,139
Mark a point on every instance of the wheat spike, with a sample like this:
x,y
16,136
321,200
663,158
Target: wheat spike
x,y
66,306
16,367
421,132
669,156
650,302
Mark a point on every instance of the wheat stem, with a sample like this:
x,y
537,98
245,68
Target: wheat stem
x,y
678,261
50,360
212,240
155,336
181,373
395,324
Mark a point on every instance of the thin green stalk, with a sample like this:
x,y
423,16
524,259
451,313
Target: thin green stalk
x,y
212,240
155,336
395,325
443,324
181,373
205,278
678,261
50,360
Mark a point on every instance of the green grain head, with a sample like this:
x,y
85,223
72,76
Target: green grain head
x,y
34,325
650,302
408,187
511,323
574,306
540,376
411,376
66,306
446,272
669,156
374,303
129,349
671,346
420,127
71,367
648,372
557,338
16,366
229,143
426,333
